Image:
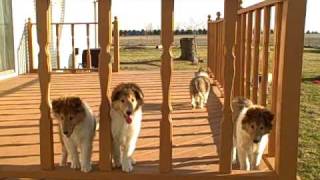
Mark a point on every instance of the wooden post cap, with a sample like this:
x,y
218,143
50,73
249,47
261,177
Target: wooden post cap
x,y
218,15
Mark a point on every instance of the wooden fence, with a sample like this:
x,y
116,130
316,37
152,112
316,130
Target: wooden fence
x,y
251,62
57,31
228,57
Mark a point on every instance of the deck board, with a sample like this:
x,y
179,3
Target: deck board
x,y
195,132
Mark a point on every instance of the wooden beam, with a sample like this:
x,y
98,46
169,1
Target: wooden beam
x,y
44,70
167,12
30,46
226,128
105,73
275,74
255,82
288,100
116,45
260,5
248,59
265,57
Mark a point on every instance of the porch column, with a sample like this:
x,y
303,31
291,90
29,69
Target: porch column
x,y
167,10
230,18
44,71
288,95
105,73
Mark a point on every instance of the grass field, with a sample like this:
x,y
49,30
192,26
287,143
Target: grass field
x,y
309,133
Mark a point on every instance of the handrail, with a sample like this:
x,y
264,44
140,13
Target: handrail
x,y
58,33
259,6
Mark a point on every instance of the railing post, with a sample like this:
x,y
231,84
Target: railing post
x,y
105,76
248,57
275,74
167,11
88,48
257,29
44,70
230,18
73,59
288,100
30,46
116,53
58,45
265,59
209,43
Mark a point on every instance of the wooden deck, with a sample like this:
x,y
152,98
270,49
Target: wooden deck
x,y
195,132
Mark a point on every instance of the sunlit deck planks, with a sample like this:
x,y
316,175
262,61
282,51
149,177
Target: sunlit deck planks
x,y
195,132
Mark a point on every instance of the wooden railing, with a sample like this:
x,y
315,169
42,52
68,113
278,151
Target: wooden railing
x,y
215,50
74,67
232,60
252,61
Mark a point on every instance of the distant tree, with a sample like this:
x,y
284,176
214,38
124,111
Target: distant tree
x,y
271,31
177,32
308,32
189,31
182,31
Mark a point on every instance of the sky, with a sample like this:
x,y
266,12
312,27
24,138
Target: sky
x,y
135,14
138,14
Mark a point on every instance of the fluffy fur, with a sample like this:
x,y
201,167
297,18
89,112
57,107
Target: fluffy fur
x,y
126,115
199,89
253,123
77,129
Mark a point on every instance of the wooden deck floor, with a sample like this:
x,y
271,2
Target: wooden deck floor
x,y
195,132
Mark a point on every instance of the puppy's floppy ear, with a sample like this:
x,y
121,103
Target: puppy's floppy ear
x,y
76,104
57,105
138,93
268,117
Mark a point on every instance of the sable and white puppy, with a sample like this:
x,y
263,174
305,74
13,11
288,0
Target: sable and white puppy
x,y
199,89
126,115
77,126
253,124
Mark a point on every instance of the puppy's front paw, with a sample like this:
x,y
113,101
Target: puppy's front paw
x,y
86,167
116,164
75,165
63,163
127,166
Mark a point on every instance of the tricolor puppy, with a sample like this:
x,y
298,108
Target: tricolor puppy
x,y
253,123
77,126
199,89
126,115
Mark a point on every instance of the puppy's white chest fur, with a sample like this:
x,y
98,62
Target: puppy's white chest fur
x,y
121,130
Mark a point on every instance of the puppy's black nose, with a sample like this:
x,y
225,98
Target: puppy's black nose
x,y
256,141
65,132
129,113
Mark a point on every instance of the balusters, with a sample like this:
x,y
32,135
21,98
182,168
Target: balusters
x,y
73,59
116,62
255,75
58,45
265,57
242,52
248,57
105,77
88,48
167,12
44,71
30,46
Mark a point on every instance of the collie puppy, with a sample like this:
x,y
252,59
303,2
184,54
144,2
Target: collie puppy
x,y
126,115
199,89
77,126
253,123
